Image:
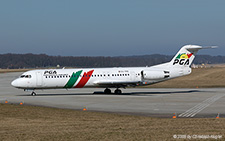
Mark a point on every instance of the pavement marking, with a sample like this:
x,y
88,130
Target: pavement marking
x,y
198,108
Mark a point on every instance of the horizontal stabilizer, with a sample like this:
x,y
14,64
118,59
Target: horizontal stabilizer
x,y
193,48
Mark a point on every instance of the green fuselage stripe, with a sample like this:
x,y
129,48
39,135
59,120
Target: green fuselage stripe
x,y
73,79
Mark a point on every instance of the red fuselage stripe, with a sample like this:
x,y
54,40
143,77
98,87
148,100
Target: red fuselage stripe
x,y
84,79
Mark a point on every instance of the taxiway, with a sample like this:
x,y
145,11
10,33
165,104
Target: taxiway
x,y
186,103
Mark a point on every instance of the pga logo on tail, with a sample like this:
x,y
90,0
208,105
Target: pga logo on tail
x,y
182,59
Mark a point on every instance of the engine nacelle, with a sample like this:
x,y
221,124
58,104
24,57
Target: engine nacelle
x,y
155,75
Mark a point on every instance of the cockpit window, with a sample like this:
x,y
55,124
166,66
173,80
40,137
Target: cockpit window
x,y
25,76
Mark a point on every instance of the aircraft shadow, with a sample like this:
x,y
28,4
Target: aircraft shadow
x,y
147,93
59,94
129,93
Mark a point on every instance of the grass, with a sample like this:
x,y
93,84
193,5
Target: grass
x,y
13,70
200,78
40,123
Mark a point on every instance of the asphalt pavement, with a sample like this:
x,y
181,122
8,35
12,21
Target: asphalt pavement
x,y
188,103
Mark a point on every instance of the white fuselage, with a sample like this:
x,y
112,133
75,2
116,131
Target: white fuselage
x,y
96,77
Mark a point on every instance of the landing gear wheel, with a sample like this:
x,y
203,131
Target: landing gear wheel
x,y
118,91
107,91
33,94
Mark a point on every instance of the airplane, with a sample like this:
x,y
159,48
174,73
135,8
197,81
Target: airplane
x,y
119,77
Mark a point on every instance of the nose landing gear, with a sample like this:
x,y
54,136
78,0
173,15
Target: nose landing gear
x,y
33,93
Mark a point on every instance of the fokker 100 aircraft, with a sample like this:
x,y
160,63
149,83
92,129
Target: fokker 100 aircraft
x,y
108,77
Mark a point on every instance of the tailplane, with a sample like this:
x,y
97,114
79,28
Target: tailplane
x,y
186,55
181,62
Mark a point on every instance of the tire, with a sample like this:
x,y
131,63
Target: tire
x,y
107,91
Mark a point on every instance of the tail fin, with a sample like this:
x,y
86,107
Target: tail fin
x,y
186,55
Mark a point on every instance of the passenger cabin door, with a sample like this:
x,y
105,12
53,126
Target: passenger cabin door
x,y
132,76
39,79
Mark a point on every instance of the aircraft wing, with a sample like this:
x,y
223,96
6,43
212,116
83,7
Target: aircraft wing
x,y
115,83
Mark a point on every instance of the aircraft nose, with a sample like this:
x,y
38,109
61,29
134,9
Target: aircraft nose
x,y
14,83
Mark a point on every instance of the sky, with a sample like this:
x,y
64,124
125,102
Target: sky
x,y
110,27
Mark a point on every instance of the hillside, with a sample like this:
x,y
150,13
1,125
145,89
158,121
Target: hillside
x,y
14,61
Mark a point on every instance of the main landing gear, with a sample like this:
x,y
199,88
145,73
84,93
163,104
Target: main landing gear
x,y
108,91
117,91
